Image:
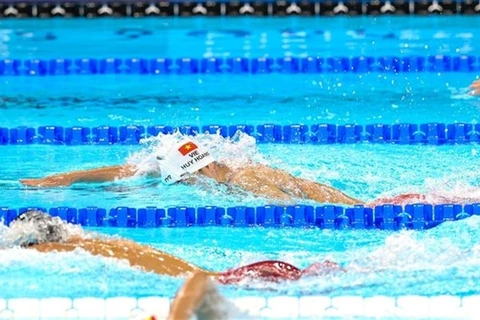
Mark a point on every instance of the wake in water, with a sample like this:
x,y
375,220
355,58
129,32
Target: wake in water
x,y
444,260
450,245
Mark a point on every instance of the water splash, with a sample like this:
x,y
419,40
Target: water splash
x,y
35,231
236,151
444,260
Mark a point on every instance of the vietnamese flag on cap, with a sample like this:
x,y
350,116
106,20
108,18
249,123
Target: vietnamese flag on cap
x,y
187,147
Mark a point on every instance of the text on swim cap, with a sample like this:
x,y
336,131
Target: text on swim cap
x,y
196,157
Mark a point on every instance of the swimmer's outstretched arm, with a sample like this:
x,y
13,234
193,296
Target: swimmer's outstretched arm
x,y
139,256
93,175
475,86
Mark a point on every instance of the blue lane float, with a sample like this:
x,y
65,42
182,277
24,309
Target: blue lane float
x,y
260,65
400,133
417,216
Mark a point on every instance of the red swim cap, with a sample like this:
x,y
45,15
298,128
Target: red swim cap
x,y
271,271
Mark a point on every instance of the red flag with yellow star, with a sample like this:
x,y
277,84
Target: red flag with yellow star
x,y
187,148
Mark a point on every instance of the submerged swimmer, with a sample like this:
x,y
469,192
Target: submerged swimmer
x,y
475,87
188,160
42,232
198,296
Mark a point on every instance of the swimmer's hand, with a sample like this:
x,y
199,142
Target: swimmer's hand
x,y
401,199
53,181
322,269
475,87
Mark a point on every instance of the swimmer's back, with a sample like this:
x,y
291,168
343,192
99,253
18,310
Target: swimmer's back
x,y
269,182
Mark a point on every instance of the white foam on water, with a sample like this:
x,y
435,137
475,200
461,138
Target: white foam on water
x,y
236,152
21,233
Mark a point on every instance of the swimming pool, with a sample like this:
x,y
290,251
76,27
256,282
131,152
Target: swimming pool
x,y
408,269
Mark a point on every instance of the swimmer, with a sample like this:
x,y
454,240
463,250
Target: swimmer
x,y
39,231
475,87
188,160
198,296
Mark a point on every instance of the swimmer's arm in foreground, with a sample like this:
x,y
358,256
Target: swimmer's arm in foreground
x,y
92,175
198,296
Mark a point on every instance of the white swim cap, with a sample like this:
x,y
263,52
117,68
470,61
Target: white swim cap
x,y
186,156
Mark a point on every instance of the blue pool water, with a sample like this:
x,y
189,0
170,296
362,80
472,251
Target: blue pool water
x,y
239,37
236,99
440,261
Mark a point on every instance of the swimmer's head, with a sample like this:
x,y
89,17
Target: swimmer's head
x,y
35,227
187,156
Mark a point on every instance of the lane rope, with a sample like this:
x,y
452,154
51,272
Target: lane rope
x,y
261,65
417,216
400,133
